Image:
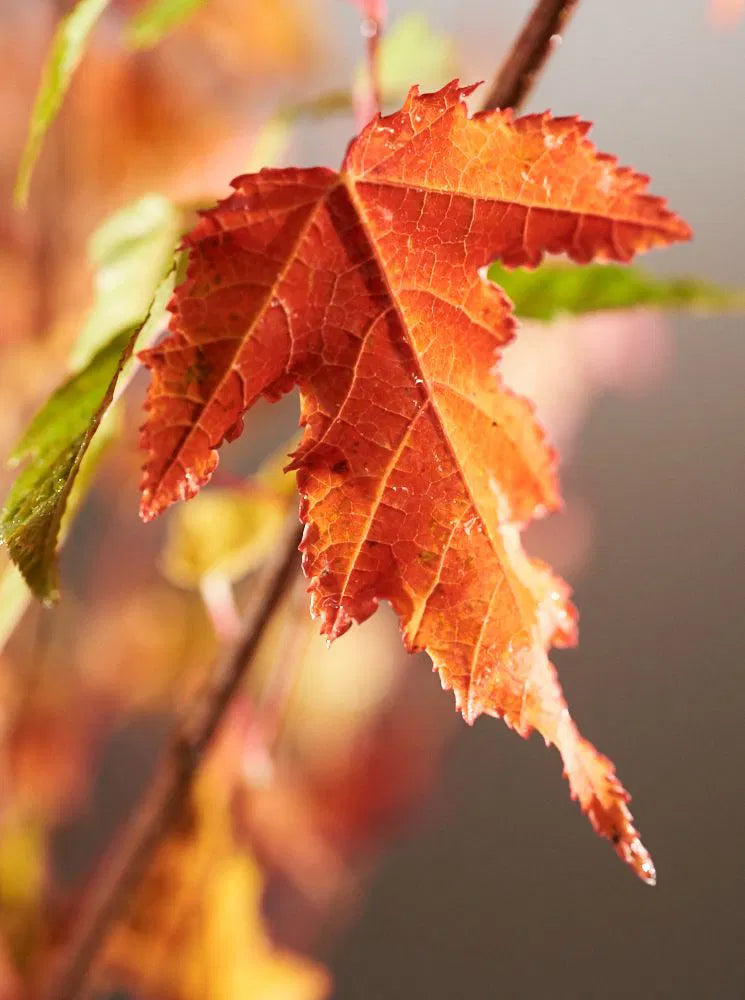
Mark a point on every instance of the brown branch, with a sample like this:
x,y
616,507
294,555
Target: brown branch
x,y
69,973
527,57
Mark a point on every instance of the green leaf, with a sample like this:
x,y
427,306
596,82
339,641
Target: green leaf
x,y
14,593
555,289
56,442
130,252
157,19
55,445
66,52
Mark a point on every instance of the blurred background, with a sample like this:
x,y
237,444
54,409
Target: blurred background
x,y
408,854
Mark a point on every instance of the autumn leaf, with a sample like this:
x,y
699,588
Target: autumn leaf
x,y
555,289
418,467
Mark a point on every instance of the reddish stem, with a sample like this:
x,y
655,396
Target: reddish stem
x,y
368,102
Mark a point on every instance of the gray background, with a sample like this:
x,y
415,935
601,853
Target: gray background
x,y
505,892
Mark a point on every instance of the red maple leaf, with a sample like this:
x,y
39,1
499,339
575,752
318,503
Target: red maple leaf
x,y
418,468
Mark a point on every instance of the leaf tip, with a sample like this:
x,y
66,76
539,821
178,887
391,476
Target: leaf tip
x,y
636,855
149,510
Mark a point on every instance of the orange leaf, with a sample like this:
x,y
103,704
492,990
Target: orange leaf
x,y
418,467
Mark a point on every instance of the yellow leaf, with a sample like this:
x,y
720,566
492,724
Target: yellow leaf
x,y
194,929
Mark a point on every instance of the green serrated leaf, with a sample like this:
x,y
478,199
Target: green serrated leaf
x,y
130,252
55,444
64,56
157,19
555,289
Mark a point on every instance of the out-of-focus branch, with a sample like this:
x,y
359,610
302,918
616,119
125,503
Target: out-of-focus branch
x,y
68,974
528,55
368,101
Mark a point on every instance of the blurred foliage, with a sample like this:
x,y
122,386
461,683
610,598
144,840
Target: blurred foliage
x,y
66,52
229,532
193,930
131,253
156,19
411,51
223,531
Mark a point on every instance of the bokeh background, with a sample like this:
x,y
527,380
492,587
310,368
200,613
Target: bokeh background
x,y
494,884
505,893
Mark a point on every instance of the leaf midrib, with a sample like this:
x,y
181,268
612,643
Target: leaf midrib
x,y
496,548
516,202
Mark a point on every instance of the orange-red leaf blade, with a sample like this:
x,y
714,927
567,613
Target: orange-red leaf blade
x,y
417,468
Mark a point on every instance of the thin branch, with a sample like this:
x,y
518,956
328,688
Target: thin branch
x,y
367,101
528,55
69,973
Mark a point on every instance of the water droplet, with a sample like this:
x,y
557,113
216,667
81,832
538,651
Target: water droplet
x,y
368,28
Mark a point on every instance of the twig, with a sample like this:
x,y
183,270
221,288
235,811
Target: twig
x,y
528,55
69,973
368,102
